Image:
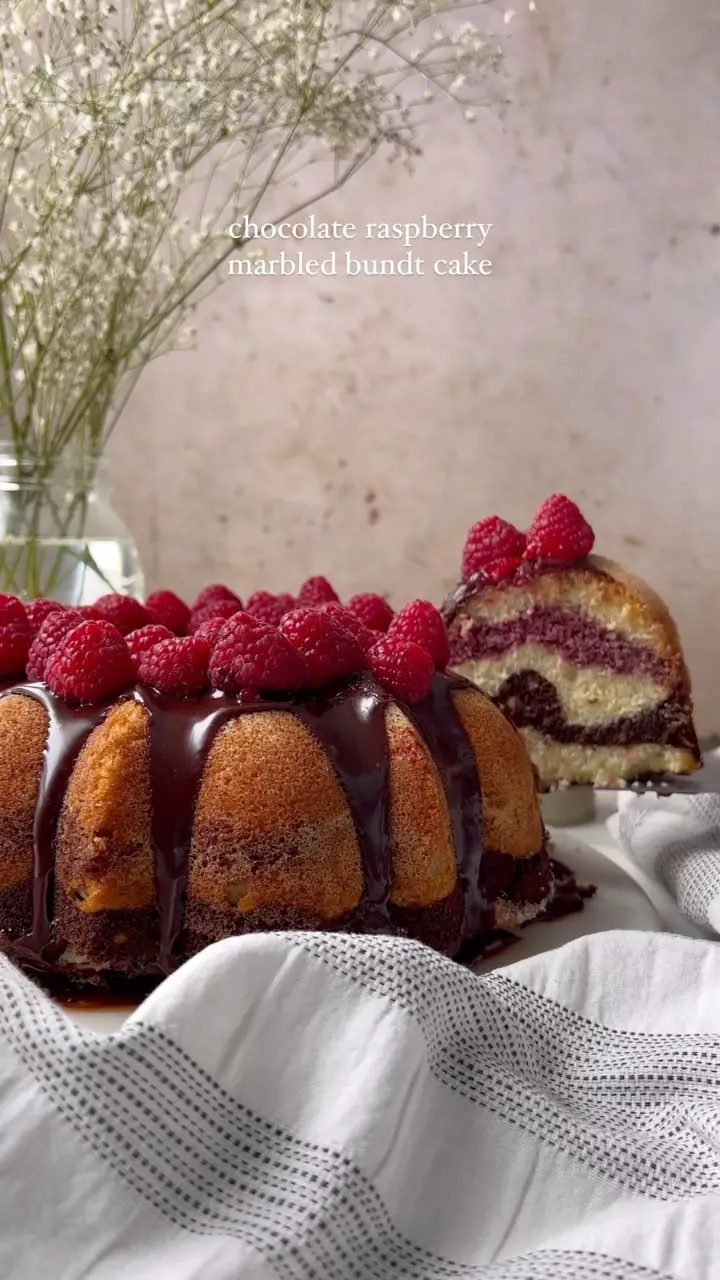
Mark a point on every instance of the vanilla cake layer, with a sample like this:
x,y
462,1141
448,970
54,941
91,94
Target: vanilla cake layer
x,y
607,766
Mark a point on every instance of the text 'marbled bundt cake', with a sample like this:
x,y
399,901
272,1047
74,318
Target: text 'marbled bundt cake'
x,y
159,792
584,657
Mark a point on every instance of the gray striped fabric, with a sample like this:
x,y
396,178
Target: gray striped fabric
x,y
329,1107
677,840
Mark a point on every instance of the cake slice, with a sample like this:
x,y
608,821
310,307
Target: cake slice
x,y
583,656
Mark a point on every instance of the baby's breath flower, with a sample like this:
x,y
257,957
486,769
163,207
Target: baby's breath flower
x,y
109,128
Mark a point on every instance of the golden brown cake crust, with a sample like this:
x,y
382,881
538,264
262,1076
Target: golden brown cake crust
x,y
104,853
653,605
424,865
511,815
23,732
272,828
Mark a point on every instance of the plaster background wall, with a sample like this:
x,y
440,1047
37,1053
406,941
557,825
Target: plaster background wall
x,y
356,427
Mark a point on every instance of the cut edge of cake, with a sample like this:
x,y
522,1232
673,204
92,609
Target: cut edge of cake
x,y
586,660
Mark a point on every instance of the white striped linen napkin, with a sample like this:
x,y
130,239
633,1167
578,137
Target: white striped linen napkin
x,y
330,1107
675,840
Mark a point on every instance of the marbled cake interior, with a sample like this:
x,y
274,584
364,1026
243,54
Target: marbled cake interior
x,y
587,663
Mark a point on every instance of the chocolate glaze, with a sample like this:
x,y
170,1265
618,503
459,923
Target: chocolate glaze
x,y
349,723
439,725
569,893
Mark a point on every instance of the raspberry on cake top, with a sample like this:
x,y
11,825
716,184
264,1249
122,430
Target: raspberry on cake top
x,y
583,656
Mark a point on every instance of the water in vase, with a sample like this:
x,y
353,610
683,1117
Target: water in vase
x,y
73,571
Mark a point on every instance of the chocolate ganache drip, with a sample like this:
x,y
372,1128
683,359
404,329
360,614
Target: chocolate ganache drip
x,y
438,723
350,725
347,720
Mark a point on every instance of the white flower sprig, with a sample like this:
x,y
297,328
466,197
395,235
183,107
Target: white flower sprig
x,y
117,116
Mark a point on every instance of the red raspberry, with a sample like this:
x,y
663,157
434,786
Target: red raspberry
x,y
211,609
52,631
210,630
499,570
372,610
145,638
330,651
91,662
287,601
364,636
263,604
316,591
402,667
216,591
125,613
490,539
88,612
250,654
177,667
15,635
559,532
38,610
421,622
168,610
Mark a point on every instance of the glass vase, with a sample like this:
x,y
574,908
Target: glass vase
x,y
59,534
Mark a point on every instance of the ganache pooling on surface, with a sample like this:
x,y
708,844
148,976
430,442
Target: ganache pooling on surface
x,y
349,724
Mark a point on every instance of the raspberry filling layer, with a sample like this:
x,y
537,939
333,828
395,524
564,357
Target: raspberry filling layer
x,y
578,638
532,702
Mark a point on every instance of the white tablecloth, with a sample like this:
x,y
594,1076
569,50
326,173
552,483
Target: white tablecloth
x,y
323,1107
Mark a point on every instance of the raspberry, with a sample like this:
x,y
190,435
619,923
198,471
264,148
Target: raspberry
x,y
372,610
287,601
52,631
330,651
216,591
263,604
421,622
316,591
168,610
499,570
125,613
211,609
15,635
402,667
38,610
250,654
177,667
559,532
88,612
145,638
490,539
364,636
91,662
210,630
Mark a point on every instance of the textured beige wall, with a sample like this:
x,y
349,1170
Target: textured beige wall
x,y
357,427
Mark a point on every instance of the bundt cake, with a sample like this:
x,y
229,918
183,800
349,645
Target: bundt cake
x,y
583,657
158,793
